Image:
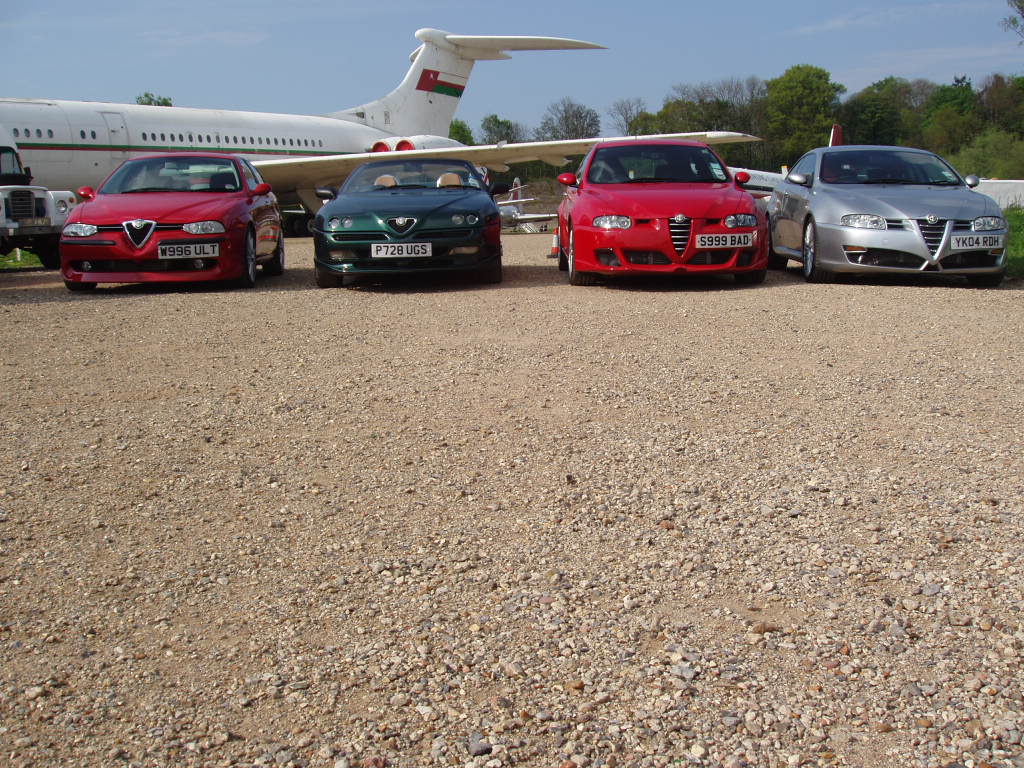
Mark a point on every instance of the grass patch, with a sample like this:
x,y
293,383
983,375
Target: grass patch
x,y
1015,247
28,259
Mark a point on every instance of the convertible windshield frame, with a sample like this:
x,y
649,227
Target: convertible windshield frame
x,y
403,174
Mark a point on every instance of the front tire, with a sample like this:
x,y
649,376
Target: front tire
x,y
325,278
49,252
751,278
576,277
248,277
276,264
774,260
813,271
492,272
563,263
986,281
79,287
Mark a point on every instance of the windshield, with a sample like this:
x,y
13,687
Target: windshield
x,y
174,174
886,166
659,163
9,161
412,174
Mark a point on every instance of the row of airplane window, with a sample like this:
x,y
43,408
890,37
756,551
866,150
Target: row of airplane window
x,y
147,136
257,140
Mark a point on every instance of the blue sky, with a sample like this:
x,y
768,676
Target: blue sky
x,y
323,55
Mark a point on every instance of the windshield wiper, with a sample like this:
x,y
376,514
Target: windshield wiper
x,y
145,189
648,179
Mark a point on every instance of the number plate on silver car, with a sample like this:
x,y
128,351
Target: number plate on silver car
x,y
400,250
731,240
190,251
976,242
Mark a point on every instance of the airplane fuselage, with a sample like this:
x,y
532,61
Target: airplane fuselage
x,y
70,144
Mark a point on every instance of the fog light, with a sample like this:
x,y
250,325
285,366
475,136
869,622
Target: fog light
x,y
86,266
464,250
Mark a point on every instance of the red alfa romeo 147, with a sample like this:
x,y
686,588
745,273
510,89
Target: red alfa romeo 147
x,y
659,207
174,218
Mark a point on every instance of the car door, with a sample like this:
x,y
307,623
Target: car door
x,y
794,199
565,208
265,215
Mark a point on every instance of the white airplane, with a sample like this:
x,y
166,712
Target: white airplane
x,y
514,218
70,144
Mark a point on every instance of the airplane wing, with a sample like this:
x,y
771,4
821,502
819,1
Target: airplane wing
x,y
289,174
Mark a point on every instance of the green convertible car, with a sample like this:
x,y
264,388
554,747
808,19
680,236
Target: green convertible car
x,y
403,216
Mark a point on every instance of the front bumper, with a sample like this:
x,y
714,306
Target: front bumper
x,y
348,253
108,257
909,247
654,246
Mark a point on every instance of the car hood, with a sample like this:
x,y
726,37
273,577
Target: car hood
x,y
417,203
910,201
171,207
662,200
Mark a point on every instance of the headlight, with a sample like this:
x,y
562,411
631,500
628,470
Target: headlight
x,y
863,221
62,206
457,219
986,223
741,220
613,222
472,218
204,228
79,230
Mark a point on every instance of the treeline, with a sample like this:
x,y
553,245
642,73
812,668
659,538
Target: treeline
x,y
978,129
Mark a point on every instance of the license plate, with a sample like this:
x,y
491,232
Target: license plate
x,y
731,240
38,221
190,251
400,250
976,242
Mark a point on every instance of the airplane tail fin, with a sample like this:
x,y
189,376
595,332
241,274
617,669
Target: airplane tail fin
x,y
835,138
425,101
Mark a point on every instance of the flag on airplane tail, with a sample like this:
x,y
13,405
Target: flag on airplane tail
x,y
433,81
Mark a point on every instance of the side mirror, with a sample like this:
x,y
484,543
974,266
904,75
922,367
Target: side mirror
x,y
799,178
500,188
569,179
28,172
86,193
742,177
324,193
262,189
972,181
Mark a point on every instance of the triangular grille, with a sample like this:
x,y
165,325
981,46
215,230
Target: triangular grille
x,y
401,224
139,231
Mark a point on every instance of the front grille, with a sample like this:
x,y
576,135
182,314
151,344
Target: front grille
x,y
646,257
146,265
680,232
933,233
444,234
710,257
895,224
358,237
23,204
120,228
969,260
882,257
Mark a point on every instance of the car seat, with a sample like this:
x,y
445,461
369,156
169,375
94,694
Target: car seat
x,y
449,179
223,181
385,180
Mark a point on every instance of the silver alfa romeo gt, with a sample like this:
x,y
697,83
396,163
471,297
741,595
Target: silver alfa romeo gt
x,y
885,210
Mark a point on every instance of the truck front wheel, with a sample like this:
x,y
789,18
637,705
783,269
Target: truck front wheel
x,y
48,251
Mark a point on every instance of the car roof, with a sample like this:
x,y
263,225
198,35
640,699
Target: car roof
x,y
875,147
186,155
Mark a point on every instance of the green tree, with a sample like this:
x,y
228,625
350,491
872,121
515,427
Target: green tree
x,y
566,119
1002,102
460,131
952,117
153,100
994,153
1015,21
494,129
801,105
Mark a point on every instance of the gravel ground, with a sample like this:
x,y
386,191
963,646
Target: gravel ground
x,y
641,524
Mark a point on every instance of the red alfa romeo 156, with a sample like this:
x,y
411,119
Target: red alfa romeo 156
x,y
655,207
174,218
